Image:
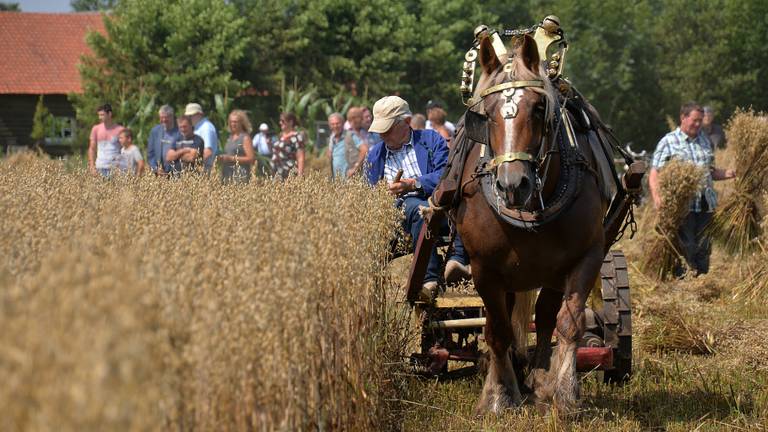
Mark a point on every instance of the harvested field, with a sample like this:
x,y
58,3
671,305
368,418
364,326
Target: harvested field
x,y
145,304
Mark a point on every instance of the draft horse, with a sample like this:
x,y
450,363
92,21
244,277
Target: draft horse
x,y
531,216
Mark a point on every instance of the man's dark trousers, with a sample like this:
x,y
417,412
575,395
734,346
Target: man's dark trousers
x,y
695,242
412,224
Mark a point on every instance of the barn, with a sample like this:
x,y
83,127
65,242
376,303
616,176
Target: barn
x,y
40,53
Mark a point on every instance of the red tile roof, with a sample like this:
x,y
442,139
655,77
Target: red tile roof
x,y
39,52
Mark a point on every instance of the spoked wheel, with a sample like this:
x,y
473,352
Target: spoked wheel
x,y
616,316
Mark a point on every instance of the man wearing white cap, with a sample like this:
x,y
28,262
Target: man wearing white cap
x,y
422,156
205,130
262,143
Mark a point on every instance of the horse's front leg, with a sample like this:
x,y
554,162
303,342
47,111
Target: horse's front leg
x,y
547,305
570,329
500,390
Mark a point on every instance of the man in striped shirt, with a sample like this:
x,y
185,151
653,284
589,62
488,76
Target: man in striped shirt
x,y
688,143
422,156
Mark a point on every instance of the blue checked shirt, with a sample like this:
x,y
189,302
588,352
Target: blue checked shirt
x,y
405,159
678,145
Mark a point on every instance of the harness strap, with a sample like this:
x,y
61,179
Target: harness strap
x,y
510,157
511,84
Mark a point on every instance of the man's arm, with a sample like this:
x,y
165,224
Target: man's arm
x,y
439,150
173,154
723,174
210,144
661,155
92,152
151,156
653,184
362,148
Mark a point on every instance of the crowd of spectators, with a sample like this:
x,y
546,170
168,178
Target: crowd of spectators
x,y
190,143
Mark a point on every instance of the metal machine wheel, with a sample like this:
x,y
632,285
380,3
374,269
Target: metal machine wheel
x,y
616,314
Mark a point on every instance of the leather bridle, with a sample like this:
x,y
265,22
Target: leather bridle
x,y
509,109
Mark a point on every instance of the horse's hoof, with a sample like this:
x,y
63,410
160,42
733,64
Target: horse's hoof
x,y
497,401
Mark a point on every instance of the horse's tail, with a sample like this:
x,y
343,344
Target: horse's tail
x,y
525,304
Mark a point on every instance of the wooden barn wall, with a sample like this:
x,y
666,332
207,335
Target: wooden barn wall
x,y
17,112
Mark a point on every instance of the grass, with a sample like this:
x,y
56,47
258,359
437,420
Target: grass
x,y
699,364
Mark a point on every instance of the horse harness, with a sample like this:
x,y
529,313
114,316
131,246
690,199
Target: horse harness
x,y
558,138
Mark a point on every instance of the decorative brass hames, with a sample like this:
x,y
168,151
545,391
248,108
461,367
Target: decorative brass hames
x,y
547,34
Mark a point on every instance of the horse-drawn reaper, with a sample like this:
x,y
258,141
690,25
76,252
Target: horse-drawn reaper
x,y
531,189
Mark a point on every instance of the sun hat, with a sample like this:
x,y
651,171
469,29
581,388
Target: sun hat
x,y
193,109
385,111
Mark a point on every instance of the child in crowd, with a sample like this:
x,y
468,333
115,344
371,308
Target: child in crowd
x,y
132,161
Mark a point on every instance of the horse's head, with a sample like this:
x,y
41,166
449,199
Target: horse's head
x,y
517,100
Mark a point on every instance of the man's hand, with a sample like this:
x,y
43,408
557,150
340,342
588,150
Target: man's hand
x,y
402,186
729,173
351,171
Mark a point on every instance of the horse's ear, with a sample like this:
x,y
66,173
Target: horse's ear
x,y
529,52
488,59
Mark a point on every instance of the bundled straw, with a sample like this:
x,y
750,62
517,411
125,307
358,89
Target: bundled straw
x,y
679,183
737,221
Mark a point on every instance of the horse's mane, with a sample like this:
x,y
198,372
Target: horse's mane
x,y
519,72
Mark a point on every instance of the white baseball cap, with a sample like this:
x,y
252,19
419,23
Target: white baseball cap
x,y
193,109
385,111
263,127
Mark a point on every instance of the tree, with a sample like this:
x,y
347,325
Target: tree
x,y
153,53
9,7
92,5
718,58
39,122
612,61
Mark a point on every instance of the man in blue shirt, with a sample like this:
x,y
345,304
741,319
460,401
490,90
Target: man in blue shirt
x,y
422,156
688,143
162,138
205,130
345,149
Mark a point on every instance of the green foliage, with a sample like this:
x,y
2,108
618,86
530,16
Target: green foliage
x,y
92,5
305,105
39,121
9,7
173,51
636,62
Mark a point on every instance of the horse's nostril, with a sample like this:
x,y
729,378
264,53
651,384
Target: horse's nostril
x,y
524,184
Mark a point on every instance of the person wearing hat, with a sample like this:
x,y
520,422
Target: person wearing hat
x,y
205,130
262,143
422,156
